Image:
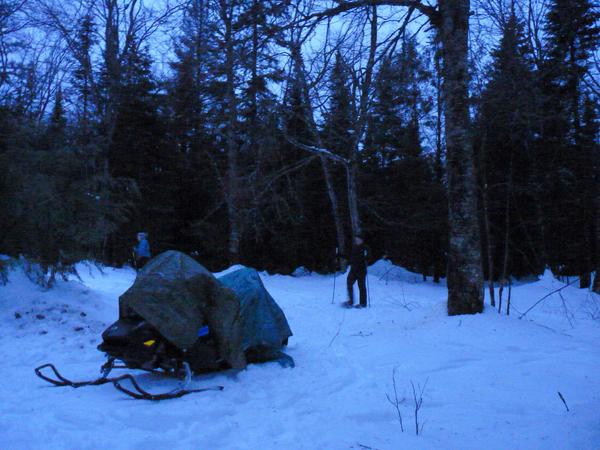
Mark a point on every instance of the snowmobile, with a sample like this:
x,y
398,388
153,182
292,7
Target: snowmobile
x,y
140,346
179,320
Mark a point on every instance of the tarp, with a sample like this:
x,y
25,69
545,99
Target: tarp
x,y
263,321
178,296
173,265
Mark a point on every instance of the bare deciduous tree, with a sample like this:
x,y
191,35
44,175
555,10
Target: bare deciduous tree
x,y
451,21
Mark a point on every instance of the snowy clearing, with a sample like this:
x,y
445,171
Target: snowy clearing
x,y
491,381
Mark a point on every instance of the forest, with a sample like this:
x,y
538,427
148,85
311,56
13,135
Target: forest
x,y
460,139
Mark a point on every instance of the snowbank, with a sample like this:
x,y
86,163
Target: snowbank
x,y
385,271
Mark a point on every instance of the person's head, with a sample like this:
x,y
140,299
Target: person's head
x,y
141,235
358,240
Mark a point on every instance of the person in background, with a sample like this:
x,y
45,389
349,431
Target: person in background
x,y
141,251
358,273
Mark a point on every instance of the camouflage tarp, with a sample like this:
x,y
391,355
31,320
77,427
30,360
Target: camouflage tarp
x,y
178,296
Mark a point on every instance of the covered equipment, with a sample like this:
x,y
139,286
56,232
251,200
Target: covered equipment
x,y
177,312
177,318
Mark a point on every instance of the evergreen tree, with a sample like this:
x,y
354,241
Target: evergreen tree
x,y
339,118
573,30
506,128
259,22
293,229
411,220
199,193
55,132
385,120
50,210
573,36
259,69
337,133
590,141
83,76
188,87
138,152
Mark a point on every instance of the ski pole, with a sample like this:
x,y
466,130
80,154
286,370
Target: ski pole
x,y
334,274
366,254
368,291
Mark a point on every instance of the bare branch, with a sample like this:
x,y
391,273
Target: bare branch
x,y
318,151
418,399
548,295
347,6
396,402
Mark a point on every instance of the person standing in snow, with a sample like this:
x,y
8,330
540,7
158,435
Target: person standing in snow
x,y
358,273
141,251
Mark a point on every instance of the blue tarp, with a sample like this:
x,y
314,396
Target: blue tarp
x,y
263,321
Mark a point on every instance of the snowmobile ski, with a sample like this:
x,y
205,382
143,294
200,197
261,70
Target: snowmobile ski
x,y
137,392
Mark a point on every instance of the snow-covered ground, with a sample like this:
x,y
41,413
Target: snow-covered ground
x,y
492,381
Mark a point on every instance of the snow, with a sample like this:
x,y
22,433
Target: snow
x,y
492,380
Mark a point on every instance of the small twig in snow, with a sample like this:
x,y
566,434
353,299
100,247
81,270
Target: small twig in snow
x,y
396,402
385,275
568,314
592,305
563,400
418,398
338,330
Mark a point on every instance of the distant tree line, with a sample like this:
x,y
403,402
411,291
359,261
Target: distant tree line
x,y
247,131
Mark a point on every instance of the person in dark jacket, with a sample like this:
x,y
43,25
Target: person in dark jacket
x,y
358,273
141,251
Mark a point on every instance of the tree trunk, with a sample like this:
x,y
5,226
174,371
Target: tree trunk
x,y
585,276
352,175
232,147
585,260
339,226
486,220
310,121
504,277
465,278
586,208
438,267
254,82
488,239
596,285
112,62
352,168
